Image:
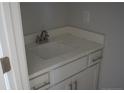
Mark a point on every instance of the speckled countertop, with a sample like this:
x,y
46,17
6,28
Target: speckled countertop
x,y
58,51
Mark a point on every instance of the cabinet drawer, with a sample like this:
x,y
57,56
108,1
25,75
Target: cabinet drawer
x,y
68,70
95,57
40,82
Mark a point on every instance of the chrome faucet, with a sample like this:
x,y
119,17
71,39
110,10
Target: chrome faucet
x,y
42,38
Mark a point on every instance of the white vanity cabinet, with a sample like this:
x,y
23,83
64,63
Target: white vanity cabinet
x,y
80,74
86,79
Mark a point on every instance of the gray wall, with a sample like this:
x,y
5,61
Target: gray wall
x,y
107,18
39,16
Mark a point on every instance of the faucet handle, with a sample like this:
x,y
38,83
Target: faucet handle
x,y
37,39
47,35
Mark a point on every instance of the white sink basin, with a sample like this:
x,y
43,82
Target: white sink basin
x,y
51,50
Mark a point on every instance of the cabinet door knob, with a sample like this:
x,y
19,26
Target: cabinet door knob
x,y
70,85
75,84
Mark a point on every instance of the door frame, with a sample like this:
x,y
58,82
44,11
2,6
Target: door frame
x,y
13,31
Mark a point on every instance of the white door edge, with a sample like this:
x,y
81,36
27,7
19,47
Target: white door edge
x,y
20,45
13,45
2,81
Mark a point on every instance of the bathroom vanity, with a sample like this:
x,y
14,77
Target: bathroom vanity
x,y
70,60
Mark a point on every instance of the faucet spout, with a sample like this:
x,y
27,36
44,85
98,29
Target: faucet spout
x,y
43,37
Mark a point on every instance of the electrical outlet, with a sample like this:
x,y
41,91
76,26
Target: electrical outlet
x,y
86,17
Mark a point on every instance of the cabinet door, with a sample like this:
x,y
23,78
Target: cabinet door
x,y
86,80
64,85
